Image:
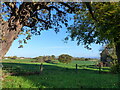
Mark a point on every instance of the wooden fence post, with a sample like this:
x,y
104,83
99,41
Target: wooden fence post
x,y
41,68
99,65
76,67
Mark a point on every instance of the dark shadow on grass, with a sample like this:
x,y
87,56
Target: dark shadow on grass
x,y
94,67
19,69
31,69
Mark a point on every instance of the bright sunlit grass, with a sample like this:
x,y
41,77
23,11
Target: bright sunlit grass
x,y
58,75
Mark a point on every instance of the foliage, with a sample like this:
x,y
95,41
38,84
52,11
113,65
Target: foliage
x,y
108,53
86,59
102,28
54,62
40,59
115,68
45,58
36,16
65,58
7,57
111,50
78,59
81,59
53,57
14,57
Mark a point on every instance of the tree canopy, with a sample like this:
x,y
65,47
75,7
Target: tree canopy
x,y
36,16
96,22
103,28
65,58
29,18
32,14
32,17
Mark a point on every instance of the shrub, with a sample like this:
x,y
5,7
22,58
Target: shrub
x,y
14,57
115,68
64,58
86,59
54,62
48,61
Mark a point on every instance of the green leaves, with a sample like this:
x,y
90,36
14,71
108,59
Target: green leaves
x,y
21,46
104,29
65,58
39,16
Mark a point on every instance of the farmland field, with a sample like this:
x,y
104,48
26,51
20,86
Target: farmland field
x,y
57,75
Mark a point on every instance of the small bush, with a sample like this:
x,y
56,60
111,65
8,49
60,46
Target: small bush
x,y
115,68
64,58
54,62
86,59
14,57
48,61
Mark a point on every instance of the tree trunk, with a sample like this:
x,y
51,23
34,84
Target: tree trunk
x,y
7,36
118,51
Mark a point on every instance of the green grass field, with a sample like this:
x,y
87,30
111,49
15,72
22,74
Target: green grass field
x,y
57,75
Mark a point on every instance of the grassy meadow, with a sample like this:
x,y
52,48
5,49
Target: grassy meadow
x,y
57,75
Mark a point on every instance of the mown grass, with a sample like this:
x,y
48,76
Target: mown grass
x,y
58,75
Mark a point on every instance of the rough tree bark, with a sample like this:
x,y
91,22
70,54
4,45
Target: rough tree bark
x,y
7,36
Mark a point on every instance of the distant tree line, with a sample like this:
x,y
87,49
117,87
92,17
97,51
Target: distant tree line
x,y
63,58
82,59
45,58
15,57
10,57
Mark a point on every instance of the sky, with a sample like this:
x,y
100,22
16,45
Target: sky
x,y
50,43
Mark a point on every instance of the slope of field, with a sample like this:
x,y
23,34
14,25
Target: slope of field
x,y
57,75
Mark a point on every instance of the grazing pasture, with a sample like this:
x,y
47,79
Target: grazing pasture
x,y
56,75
